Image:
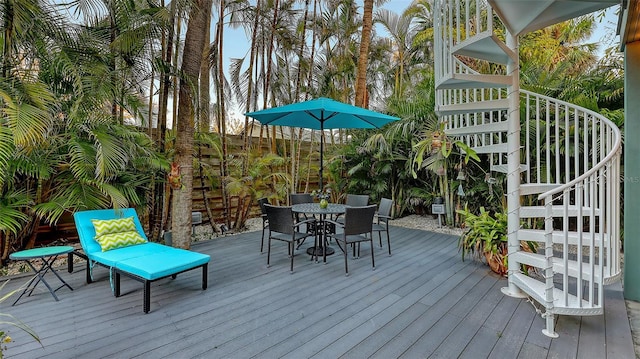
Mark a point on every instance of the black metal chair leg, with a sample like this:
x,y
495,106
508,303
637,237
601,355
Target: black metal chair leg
x,y
147,296
205,274
116,285
346,265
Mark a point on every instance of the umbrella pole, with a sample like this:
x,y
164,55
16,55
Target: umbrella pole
x,y
321,152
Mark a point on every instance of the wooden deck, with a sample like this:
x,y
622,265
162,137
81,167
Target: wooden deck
x,y
421,302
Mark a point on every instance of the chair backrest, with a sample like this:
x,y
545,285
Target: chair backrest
x,y
261,202
384,209
280,218
87,232
297,198
357,200
359,220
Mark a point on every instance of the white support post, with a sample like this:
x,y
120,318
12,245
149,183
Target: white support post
x,y
549,330
513,167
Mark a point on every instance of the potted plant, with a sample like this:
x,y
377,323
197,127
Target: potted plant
x,y
436,141
486,237
323,196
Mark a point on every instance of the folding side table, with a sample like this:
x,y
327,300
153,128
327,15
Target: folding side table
x,y
48,255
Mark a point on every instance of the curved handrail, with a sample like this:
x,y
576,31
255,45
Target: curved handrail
x,y
615,147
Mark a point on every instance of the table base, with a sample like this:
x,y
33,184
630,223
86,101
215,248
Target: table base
x,y
317,251
39,277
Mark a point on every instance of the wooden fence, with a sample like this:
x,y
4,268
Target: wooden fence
x,y
202,190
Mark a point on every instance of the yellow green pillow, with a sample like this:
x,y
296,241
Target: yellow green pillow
x,y
119,240
109,226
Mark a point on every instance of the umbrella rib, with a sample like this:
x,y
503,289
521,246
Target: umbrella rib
x,y
367,121
322,118
275,119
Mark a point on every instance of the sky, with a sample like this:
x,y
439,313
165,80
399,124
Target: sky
x,y
237,43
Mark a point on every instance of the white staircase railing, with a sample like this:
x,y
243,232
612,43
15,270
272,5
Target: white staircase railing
x,y
570,162
455,22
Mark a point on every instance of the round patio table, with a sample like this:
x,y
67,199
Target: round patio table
x,y
47,255
314,208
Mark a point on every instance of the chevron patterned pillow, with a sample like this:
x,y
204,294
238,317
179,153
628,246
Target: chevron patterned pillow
x,y
119,240
109,226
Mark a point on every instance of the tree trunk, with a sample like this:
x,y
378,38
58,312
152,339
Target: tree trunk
x,y
296,142
165,79
267,81
174,117
222,117
250,89
204,121
149,120
162,191
365,40
192,56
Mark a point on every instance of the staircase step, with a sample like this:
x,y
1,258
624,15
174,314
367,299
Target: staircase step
x,y
536,290
539,261
473,107
493,127
497,148
504,168
526,16
475,81
531,259
538,235
557,211
537,188
485,46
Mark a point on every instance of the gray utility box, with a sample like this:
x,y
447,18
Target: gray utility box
x,y
437,208
196,218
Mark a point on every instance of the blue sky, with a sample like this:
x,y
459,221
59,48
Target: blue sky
x,y
237,43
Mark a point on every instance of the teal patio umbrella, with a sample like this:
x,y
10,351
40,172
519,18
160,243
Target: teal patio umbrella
x,y
321,114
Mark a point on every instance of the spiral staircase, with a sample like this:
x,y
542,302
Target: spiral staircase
x,y
562,161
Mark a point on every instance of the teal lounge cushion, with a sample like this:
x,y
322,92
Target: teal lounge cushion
x,y
87,231
162,264
112,258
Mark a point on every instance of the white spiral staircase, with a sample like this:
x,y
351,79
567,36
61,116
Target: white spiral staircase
x,y
562,161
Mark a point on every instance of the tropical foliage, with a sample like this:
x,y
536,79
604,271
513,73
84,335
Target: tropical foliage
x,y
98,98
8,320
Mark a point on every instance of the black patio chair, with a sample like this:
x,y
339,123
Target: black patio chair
x,y
357,228
381,223
357,200
265,220
299,198
353,200
283,227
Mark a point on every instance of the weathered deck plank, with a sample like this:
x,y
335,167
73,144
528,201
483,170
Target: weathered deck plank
x,y
423,301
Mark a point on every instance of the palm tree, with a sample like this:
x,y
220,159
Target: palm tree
x,y
557,51
365,40
192,57
403,32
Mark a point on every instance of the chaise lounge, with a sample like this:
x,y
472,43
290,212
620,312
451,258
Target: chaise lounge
x,y
114,238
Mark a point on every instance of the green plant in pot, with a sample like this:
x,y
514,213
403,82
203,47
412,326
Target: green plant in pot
x,y
323,196
486,237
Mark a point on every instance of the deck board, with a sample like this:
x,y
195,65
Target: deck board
x,y
422,301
